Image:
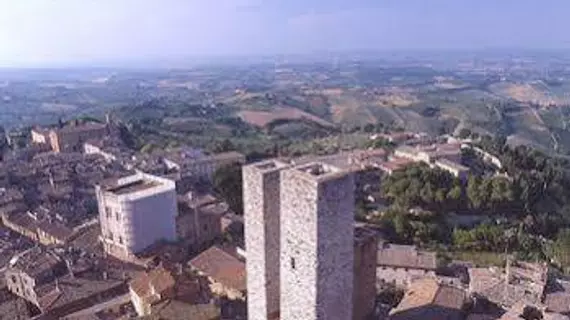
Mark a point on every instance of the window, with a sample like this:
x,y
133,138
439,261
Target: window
x,y
13,279
111,236
205,227
117,216
108,212
293,263
120,240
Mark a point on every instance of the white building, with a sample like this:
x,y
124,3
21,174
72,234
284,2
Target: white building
x,y
135,212
40,136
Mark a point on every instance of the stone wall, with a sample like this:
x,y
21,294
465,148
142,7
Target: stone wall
x,y
401,277
364,298
317,214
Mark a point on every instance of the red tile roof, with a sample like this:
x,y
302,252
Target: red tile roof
x,y
222,267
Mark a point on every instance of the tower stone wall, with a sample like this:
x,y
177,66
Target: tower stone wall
x,y
365,260
261,198
317,243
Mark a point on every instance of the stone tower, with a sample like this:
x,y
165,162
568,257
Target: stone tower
x,y
261,185
317,243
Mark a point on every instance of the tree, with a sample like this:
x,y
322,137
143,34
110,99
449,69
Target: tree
x,y
561,248
464,133
228,184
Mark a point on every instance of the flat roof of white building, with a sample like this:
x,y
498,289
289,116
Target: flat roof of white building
x,y
136,183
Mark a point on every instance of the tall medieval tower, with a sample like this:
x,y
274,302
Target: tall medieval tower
x,y
261,199
317,243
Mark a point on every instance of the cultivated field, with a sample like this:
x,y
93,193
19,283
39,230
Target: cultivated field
x,y
263,118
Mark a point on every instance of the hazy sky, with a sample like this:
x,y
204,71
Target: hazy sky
x,y
44,32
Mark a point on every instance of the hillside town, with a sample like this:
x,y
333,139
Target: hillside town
x,y
94,230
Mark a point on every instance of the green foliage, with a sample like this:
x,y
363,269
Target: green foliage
x,y
464,133
419,185
381,143
484,237
561,248
228,184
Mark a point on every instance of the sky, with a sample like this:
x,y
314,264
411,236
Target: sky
x,y
85,32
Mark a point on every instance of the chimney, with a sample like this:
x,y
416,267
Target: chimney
x,y
179,268
69,269
508,275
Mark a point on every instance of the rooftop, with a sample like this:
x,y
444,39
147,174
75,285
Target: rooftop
x,y
526,283
428,292
451,164
69,289
132,183
177,310
402,256
151,285
35,261
134,186
222,267
89,126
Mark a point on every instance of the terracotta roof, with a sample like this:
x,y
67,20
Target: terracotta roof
x,y
35,261
427,292
222,267
160,279
177,310
402,256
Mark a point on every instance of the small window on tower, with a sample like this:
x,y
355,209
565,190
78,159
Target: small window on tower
x,y
293,263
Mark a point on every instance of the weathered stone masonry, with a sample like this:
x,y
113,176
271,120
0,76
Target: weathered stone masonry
x,y
261,197
317,212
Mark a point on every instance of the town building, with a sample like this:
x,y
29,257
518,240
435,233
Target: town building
x,y
41,225
262,211
518,282
110,148
150,288
31,269
70,294
365,252
427,299
154,292
400,265
71,137
394,164
317,242
199,220
136,211
195,164
40,135
225,272
456,169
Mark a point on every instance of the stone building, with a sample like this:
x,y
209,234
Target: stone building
x,y
261,185
72,137
135,212
225,272
31,269
365,251
40,135
517,282
194,163
199,220
317,245
401,264
426,299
